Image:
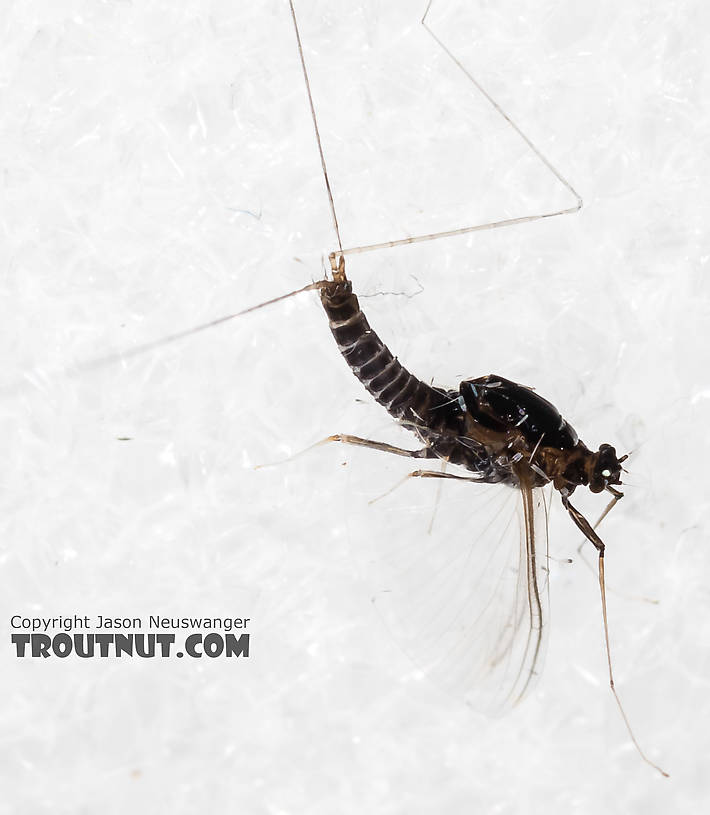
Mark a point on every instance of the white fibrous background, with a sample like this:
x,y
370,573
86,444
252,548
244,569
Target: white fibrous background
x,y
159,171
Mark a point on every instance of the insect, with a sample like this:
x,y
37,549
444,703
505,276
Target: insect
x,y
499,431
496,431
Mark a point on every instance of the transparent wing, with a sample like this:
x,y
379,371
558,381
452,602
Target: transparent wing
x,y
468,601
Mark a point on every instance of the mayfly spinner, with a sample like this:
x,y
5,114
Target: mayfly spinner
x,y
495,430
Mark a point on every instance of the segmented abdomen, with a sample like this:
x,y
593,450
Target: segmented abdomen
x,y
403,395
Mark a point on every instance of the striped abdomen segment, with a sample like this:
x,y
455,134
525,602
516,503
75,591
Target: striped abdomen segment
x,y
403,395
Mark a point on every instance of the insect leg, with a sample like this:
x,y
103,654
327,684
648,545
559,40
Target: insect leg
x,y
617,496
344,438
425,452
593,538
424,474
614,501
610,590
433,474
585,527
437,498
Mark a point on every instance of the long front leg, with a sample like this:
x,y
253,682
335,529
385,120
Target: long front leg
x,y
583,524
593,538
617,496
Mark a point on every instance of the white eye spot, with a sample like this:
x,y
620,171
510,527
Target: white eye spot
x,y
606,473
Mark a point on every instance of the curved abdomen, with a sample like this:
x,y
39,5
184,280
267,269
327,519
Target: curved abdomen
x,y
404,396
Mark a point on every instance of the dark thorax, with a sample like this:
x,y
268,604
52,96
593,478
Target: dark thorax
x,y
524,432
